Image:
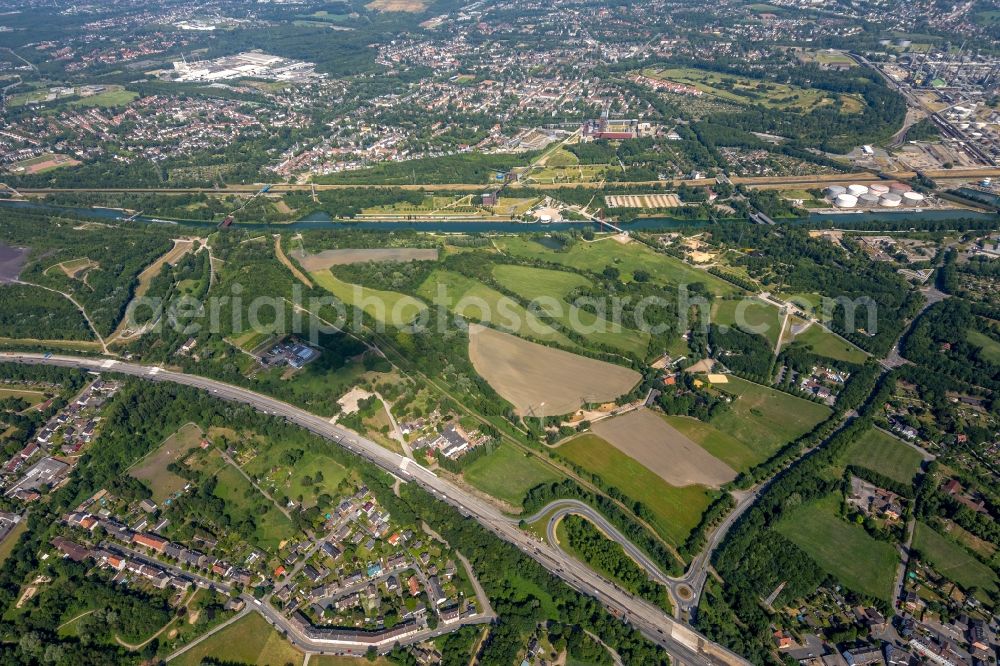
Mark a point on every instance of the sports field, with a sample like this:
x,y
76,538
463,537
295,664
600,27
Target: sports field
x,y
844,550
765,419
627,258
749,315
825,343
152,470
676,510
508,474
883,453
249,640
387,307
549,288
646,436
952,561
543,381
473,300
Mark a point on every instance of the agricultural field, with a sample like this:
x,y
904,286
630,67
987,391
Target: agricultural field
x,y
386,307
249,640
749,315
627,258
857,560
543,381
765,419
739,90
676,510
720,444
825,343
508,474
540,283
152,469
321,261
474,300
952,561
107,99
881,452
649,439
410,6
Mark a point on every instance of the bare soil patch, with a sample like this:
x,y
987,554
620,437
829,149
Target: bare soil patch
x,y
412,6
12,260
322,261
540,380
646,437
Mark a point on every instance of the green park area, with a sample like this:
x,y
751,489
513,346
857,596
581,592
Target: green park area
x,y
824,343
990,347
676,511
749,315
846,551
243,502
153,470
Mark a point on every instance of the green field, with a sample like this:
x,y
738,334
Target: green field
x,y
241,500
31,396
540,283
742,90
387,307
749,315
720,444
249,640
597,256
288,481
15,535
472,299
952,561
765,419
508,474
990,347
109,98
844,550
561,157
825,343
152,469
677,510
883,453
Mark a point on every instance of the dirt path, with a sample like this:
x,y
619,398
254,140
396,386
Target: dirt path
x,y
75,618
278,252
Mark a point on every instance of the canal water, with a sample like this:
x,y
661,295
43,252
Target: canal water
x,y
321,220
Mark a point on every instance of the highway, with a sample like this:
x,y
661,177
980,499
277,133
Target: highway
x,y
685,645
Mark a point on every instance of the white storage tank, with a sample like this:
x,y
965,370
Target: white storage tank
x,y
878,188
857,190
835,191
912,197
890,200
868,199
845,201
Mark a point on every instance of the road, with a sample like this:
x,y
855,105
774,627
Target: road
x,y
684,644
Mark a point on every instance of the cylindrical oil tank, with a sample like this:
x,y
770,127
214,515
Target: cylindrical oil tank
x,y
912,197
857,190
845,201
890,200
868,200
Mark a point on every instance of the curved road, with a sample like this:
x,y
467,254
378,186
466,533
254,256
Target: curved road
x,y
683,643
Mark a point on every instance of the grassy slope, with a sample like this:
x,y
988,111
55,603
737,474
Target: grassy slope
x,y
385,306
827,344
249,640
